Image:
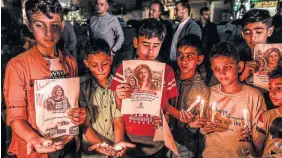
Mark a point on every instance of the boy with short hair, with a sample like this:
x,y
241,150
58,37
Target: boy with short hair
x,y
256,28
148,43
267,138
95,95
190,85
42,61
230,97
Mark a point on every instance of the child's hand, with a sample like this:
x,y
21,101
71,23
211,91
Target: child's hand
x,y
197,123
42,145
157,121
103,148
210,127
186,116
121,148
77,115
245,132
250,68
123,91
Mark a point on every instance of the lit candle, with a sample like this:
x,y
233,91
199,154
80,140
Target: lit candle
x,y
202,108
245,114
197,101
213,111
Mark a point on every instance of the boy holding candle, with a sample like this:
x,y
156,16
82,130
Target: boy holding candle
x,y
230,97
267,137
103,115
191,90
148,42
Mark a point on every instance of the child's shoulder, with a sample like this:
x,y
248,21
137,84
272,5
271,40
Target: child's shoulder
x,y
84,79
252,90
271,113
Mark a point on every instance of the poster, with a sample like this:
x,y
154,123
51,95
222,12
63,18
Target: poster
x,y
53,98
267,57
146,79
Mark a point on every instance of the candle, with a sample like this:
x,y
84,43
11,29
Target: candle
x,y
245,114
213,111
197,101
202,108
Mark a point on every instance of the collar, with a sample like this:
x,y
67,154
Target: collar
x,y
197,77
100,16
185,21
40,59
94,83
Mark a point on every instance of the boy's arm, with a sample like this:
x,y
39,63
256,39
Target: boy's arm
x,y
16,101
119,129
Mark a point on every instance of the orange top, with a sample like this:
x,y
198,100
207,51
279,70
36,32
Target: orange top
x,y
20,74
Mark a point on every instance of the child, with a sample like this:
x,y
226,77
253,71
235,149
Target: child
x,y
256,28
191,85
148,43
267,138
99,100
231,98
42,61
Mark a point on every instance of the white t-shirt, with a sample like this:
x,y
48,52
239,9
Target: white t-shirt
x,y
56,68
229,112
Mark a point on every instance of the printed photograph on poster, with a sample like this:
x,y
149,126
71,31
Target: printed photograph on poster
x,y
267,57
53,98
146,80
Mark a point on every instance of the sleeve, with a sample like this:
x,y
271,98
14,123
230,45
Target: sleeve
x,y
259,107
15,93
196,30
83,103
172,90
117,79
118,34
115,111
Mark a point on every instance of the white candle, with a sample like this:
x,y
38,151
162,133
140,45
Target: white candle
x,y
197,101
202,108
213,111
245,114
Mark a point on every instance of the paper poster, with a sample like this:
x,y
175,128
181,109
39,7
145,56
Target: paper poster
x,y
53,98
164,134
146,79
267,57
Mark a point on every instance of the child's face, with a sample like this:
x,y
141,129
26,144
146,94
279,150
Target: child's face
x,y
226,69
188,59
275,92
255,33
148,49
46,31
99,65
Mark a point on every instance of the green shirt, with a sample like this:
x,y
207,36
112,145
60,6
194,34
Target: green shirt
x,y
101,108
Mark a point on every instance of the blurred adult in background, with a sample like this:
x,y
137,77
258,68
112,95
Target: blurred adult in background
x,y
185,27
68,39
156,11
106,26
276,36
210,36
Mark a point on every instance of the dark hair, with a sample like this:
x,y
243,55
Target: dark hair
x,y
151,28
256,15
205,9
161,5
276,73
44,6
226,49
193,41
184,4
96,46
